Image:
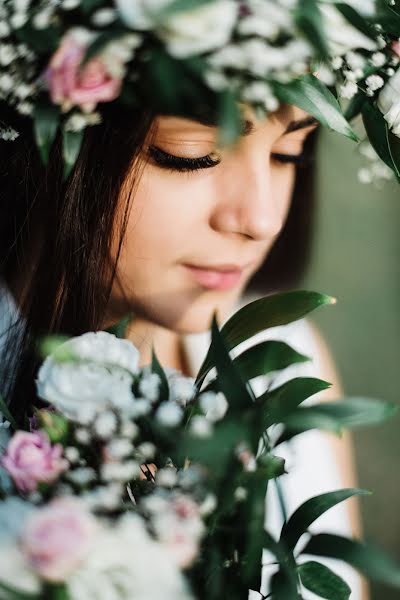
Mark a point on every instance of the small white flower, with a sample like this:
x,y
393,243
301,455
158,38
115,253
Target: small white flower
x,y
166,477
374,82
120,448
169,414
103,17
25,108
18,20
120,471
378,59
348,90
259,91
149,386
81,476
337,63
140,407
82,436
208,505
200,426
6,82
70,4
181,389
72,454
240,494
4,29
105,424
214,405
7,54
147,450
129,430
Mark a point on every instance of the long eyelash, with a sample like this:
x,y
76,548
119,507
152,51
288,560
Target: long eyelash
x,y
299,160
179,163
182,164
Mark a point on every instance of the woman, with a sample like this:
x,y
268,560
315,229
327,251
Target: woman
x,y
177,231
159,220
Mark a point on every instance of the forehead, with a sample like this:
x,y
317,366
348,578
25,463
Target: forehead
x,y
279,120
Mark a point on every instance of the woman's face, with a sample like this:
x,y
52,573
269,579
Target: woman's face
x,y
195,238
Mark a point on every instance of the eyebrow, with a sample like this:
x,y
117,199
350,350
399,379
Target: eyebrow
x,y
248,126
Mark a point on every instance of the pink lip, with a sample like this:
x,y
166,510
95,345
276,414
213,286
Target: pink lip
x,y
223,277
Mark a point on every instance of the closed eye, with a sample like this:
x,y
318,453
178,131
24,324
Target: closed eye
x,y
184,164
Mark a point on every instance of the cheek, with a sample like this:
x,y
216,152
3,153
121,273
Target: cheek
x,y
166,212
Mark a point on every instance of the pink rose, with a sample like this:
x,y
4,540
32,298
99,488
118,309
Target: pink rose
x,y
396,47
31,459
71,86
57,538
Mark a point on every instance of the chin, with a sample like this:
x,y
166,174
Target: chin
x,y
195,316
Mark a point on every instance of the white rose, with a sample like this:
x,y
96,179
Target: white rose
x,y
342,36
120,563
101,376
389,103
201,29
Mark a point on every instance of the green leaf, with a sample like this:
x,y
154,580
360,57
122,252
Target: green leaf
x,y
311,510
271,311
72,141
56,591
284,582
119,329
314,97
239,396
385,144
283,587
229,120
354,106
157,368
367,558
355,18
322,581
4,410
266,357
283,400
7,592
309,20
46,120
349,413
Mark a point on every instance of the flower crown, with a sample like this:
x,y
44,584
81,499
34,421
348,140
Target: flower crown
x,y
63,61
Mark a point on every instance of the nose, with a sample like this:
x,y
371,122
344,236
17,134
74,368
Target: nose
x,y
246,203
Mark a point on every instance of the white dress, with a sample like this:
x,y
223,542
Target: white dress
x,y
309,457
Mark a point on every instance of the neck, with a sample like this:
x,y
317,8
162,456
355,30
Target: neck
x,y
166,343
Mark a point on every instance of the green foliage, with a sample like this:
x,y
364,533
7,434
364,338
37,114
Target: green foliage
x,y
46,119
157,368
6,413
384,142
322,581
266,357
120,328
351,413
368,559
72,141
271,311
314,97
310,511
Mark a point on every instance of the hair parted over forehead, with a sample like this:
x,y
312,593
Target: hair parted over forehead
x,y
62,63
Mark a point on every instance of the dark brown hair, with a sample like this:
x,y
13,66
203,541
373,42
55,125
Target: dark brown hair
x,y
60,234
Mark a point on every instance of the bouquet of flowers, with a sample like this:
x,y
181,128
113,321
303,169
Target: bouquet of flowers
x,y
140,483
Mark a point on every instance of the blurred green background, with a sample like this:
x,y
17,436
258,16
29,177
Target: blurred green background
x,y
356,258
